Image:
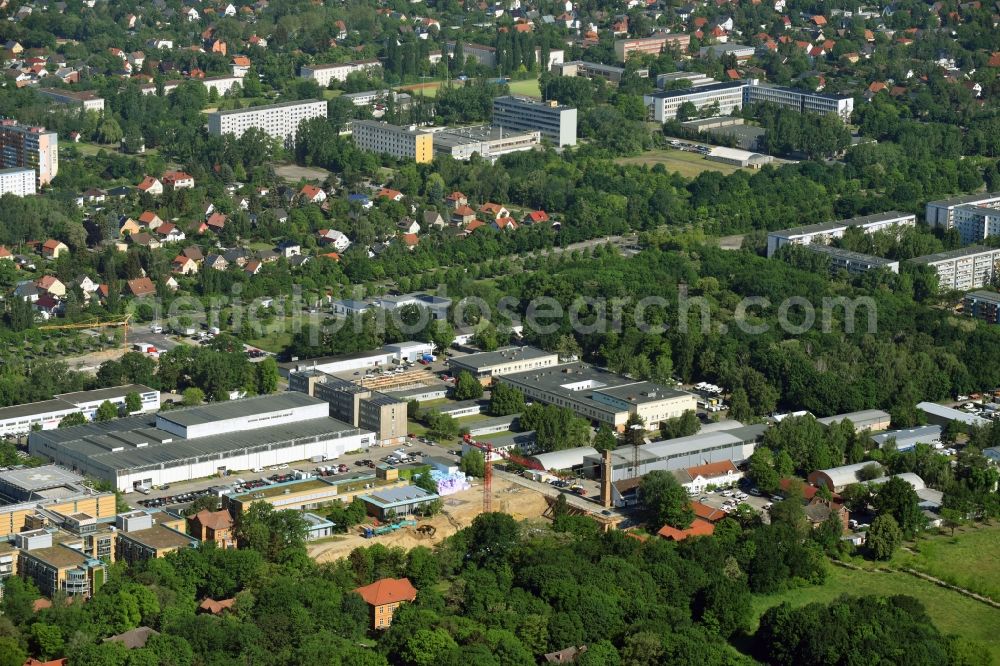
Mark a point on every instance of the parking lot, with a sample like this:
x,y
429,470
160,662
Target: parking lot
x,y
176,496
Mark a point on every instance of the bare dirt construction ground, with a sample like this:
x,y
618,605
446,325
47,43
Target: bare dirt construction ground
x,y
459,511
293,173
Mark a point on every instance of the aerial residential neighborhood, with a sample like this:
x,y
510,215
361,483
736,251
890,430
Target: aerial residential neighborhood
x,y
617,333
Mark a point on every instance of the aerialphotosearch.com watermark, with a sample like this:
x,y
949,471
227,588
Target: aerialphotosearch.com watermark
x,y
545,315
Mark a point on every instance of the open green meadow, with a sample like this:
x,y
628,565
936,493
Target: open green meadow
x,y
686,164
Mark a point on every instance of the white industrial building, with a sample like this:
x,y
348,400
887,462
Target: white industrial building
x,y
486,365
966,268
907,439
47,414
280,121
198,442
942,415
324,74
388,355
19,181
84,99
941,214
824,232
737,157
866,419
556,123
735,445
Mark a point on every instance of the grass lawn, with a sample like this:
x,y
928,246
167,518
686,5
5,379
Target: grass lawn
x,y
968,560
686,164
951,612
526,88
278,339
330,94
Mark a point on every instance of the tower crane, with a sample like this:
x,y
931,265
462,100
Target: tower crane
x,y
95,323
487,449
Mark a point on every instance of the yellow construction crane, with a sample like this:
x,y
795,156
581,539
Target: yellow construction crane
x,y
95,323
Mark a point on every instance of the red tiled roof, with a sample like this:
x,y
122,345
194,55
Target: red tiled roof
x,y
51,244
216,520
147,217
706,512
538,216
214,607
147,183
711,470
464,211
388,591
698,528
241,61
411,240
455,196
141,286
310,191
475,224
819,20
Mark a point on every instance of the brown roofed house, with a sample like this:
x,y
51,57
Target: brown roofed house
x,y
384,597
141,287
214,526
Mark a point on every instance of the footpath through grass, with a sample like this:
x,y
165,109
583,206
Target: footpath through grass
x,y
951,612
970,559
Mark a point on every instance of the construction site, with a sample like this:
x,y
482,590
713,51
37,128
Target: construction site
x,y
503,491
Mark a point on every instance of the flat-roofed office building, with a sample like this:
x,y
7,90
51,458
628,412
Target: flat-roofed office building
x,y
654,45
408,143
663,105
484,366
489,142
556,123
280,121
600,395
799,100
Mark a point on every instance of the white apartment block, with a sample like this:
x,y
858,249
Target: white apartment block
x,y
974,223
556,123
28,146
941,214
401,142
824,232
324,74
86,99
280,121
967,268
663,106
19,181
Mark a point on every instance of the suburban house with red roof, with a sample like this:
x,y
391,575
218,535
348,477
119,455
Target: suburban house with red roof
x,y
312,194
535,217
384,597
462,215
178,180
150,220
53,249
410,240
456,199
504,224
151,185
390,194
493,211
5,253
51,285
183,265
141,287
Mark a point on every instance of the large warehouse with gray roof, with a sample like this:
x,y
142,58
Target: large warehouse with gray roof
x,y
184,444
